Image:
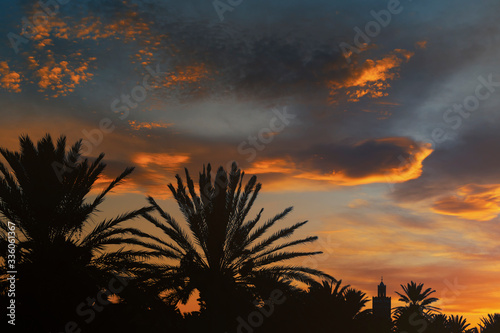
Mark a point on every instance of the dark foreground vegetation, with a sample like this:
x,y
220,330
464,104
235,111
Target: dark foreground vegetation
x,y
73,274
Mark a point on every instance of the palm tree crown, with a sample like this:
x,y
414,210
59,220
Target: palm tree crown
x,y
223,252
457,324
490,324
415,297
345,301
44,193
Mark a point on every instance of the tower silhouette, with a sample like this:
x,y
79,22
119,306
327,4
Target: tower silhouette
x,y
382,304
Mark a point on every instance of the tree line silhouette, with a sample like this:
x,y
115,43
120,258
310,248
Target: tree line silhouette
x,y
77,275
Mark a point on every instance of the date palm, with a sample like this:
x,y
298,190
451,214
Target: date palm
x,y
438,323
223,255
415,297
417,308
61,252
334,307
490,324
457,324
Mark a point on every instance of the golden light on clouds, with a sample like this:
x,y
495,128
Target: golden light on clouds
x,y
125,187
192,91
127,27
59,74
277,165
186,75
386,169
472,202
154,171
182,81
56,73
409,168
9,80
166,161
136,125
61,77
377,235
372,78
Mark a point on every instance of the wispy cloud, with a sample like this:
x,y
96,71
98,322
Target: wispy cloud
x,y
472,202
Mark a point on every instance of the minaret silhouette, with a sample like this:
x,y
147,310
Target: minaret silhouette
x,y
382,303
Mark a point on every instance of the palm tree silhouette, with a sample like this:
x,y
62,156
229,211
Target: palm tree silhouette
x,y
335,308
349,301
225,257
490,324
61,253
418,311
457,324
441,323
438,323
414,297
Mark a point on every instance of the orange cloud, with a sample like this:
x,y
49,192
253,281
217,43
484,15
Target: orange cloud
x,y
140,125
163,160
61,77
186,75
59,74
181,82
371,79
9,79
277,165
128,27
472,202
156,170
407,168
394,160
373,243
127,186
153,173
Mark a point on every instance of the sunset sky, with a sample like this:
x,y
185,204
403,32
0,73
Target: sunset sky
x,y
389,148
